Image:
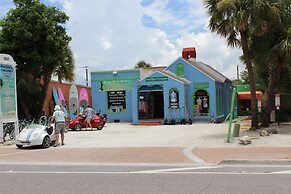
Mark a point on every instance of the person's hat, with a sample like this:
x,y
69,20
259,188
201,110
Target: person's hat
x,y
57,107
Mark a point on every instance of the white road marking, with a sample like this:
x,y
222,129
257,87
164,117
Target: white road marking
x,y
282,172
169,173
175,169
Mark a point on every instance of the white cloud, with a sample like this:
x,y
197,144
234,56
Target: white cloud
x,y
157,10
109,35
213,50
105,42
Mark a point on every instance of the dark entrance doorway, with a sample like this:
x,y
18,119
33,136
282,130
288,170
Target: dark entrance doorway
x,y
151,103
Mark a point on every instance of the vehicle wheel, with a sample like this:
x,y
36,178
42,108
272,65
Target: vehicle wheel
x,y
173,122
78,127
100,127
190,121
46,142
12,135
183,122
19,146
165,121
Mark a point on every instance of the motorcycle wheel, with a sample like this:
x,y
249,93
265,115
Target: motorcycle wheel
x,y
100,127
78,127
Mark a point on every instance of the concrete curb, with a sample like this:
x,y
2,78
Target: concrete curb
x,y
255,162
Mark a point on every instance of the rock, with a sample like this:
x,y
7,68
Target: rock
x,y
272,131
264,133
245,140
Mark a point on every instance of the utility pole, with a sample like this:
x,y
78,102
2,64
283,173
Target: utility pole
x,y
237,72
86,68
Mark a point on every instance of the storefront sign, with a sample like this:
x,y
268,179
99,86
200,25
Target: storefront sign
x,y
116,84
7,92
173,98
201,85
116,101
153,79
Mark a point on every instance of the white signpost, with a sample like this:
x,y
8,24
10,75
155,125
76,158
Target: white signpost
x,y
8,93
277,101
277,104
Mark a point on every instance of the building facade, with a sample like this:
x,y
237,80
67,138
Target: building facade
x,y
184,89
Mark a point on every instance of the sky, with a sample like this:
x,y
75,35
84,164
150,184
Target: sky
x,y
116,34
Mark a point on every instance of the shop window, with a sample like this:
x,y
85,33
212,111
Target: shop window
x,y
245,105
201,103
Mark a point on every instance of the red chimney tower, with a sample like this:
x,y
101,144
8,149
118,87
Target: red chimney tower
x,y
188,53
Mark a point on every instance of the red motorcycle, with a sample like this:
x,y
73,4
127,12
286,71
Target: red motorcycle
x,y
96,122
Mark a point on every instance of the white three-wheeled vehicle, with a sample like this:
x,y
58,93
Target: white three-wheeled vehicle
x,y
42,134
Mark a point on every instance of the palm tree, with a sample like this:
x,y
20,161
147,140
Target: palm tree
x,y
236,20
65,70
142,64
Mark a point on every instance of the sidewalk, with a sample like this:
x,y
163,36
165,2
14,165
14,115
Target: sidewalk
x,y
199,143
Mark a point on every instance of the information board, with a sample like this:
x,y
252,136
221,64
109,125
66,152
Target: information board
x,y
116,101
174,98
7,92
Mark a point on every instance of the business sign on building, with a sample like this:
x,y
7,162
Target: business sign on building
x,y
201,85
116,101
154,79
173,98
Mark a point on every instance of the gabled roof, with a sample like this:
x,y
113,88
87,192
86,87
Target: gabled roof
x,y
204,68
169,74
174,76
208,70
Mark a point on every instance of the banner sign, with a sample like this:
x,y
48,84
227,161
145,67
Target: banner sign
x,y
7,92
174,98
116,101
115,84
201,85
153,79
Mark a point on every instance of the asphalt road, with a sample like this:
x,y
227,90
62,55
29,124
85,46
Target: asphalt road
x,y
142,179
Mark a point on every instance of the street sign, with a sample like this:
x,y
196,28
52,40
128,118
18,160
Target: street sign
x,y
277,101
259,105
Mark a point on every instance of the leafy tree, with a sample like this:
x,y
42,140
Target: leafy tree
x,y
243,80
142,64
236,20
35,36
271,55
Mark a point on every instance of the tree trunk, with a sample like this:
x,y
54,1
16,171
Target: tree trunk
x,y
46,81
24,108
271,89
245,48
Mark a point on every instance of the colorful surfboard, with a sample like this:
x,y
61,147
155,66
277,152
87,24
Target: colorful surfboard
x,y
62,101
83,99
56,96
73,102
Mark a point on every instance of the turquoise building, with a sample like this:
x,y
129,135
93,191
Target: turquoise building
x,y
184,89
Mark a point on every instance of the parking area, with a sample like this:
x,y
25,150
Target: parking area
x,y
197,135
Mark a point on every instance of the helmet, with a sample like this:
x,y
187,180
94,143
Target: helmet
x,y
57,107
